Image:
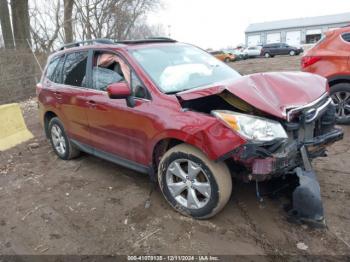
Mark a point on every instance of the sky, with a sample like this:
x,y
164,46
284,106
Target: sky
x,y
221,23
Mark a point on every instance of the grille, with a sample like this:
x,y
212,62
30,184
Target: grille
x,y
311,120
310,112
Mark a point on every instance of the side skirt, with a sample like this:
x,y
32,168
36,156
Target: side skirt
x,y
112,158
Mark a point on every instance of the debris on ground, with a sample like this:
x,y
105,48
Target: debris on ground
x,y
302,246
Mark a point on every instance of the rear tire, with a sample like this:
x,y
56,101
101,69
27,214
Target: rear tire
x,y
267,55
227,60
340,94
182,171
60,142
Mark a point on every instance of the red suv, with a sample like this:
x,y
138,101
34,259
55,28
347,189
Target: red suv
x,y
191,122
330,58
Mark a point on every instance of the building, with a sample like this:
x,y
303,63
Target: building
x,y
295,32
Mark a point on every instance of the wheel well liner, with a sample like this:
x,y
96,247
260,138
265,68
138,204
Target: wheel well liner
x,y
339,79
160,148
47,117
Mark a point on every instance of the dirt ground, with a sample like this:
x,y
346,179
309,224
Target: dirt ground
x,y
90,206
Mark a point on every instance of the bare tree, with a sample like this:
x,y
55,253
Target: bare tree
x,y
110,18
143,30
5,23
20,22
46,34
52,21
68,28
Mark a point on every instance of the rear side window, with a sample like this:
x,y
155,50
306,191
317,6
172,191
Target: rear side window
x,y
346,37
54,69
74,70
51,68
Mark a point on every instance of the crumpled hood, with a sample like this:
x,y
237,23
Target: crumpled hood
x,y
271,93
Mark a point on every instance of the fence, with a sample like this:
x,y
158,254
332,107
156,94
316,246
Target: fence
x,y
19,73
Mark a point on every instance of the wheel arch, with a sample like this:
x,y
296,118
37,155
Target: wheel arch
x,y
338,80
47,118
214,142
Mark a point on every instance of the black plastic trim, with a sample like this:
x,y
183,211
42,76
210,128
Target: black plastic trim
x,y
335,135
113,158
338,77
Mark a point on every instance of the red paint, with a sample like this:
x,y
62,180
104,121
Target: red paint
x,y
95,119
118,90
269,92
330,57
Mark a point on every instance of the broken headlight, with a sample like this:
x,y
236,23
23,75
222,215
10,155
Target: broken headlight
x,y
253,128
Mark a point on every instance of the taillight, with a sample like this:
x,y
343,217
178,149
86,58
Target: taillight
x,y
39,86
309,60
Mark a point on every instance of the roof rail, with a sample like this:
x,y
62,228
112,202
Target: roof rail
x,y
92,41
348,25
148,40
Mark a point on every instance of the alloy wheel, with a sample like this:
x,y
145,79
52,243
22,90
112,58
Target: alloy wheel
x,y
342,101
58,139
188,183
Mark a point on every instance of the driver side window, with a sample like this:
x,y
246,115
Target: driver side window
x,y
108,68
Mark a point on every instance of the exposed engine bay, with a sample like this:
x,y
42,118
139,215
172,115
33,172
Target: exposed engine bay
x,y
310,129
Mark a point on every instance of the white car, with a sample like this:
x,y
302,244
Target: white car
x,y
252,51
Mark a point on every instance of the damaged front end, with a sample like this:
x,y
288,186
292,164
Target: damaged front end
x,y
286,150
310,129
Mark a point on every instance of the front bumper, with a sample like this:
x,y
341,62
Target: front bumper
x,y
280,163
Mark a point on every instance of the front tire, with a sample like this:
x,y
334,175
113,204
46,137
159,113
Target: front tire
x,y
193,184
292,53
340,94
60,142
227,60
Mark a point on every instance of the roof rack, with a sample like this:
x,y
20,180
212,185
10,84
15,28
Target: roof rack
x,y
148,40
92,41
111,42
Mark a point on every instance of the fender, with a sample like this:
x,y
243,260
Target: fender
x,y
47,108
214,140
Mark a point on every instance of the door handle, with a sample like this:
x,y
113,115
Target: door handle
x,y
91,103
58,95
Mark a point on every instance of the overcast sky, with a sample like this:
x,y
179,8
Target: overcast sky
x,y
221,23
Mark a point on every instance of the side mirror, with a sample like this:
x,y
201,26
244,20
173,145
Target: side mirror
x,y
119,90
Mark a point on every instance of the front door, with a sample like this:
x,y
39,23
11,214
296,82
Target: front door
x,y
115,128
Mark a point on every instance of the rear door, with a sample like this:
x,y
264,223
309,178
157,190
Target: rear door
x,y
284,49
70,95
346,37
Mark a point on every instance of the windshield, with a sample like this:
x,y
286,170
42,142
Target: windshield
x,y
177,68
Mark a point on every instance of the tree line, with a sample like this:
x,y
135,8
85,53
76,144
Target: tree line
x,y
45,24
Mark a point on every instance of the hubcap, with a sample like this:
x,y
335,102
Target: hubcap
x,y
58,140
188,183
342,101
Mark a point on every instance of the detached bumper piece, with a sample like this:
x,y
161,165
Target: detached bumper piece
x,y
307,204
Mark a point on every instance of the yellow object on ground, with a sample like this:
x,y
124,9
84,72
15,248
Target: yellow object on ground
x,y
13,129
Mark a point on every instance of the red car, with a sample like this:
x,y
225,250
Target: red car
x,y
330,58
188,120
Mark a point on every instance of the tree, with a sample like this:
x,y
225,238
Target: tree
x,y
20,22
5,23
110,18
53,21
68,27
44,34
